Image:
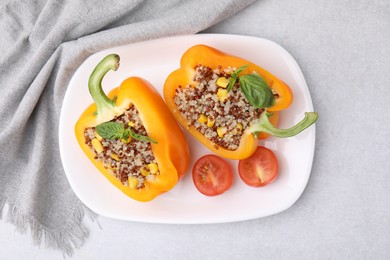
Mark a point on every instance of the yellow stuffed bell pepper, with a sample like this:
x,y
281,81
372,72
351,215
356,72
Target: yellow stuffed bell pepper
x,y
131,136
227,102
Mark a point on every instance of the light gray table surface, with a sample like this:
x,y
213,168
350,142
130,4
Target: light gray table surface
x,y
343,49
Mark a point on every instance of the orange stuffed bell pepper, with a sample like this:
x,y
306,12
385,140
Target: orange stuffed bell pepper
x,y
226,102
131,136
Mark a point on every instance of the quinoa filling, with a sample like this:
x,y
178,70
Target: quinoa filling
x,y
221,116
131,161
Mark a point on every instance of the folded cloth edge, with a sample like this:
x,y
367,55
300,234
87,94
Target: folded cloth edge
x,y
71,236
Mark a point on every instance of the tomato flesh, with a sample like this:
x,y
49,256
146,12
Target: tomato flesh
x,y
212,175
259,169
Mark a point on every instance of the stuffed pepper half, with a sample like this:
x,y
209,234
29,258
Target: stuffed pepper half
x,y
131,136
227,103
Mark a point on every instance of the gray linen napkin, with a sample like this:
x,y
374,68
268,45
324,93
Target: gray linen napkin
x,y
42,43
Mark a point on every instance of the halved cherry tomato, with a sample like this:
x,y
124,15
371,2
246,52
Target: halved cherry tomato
x,y
212,175
259,169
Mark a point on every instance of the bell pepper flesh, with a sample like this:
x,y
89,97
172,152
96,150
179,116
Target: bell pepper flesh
x,y
171,151
211,57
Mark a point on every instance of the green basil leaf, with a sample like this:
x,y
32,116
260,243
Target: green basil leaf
x,y
142,138
256,90
231,84
234,76
237,71
111,130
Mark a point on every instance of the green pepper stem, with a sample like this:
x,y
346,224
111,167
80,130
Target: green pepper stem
x,y
264,125
106,108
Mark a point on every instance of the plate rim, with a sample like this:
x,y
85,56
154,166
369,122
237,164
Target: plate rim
x,y
184,220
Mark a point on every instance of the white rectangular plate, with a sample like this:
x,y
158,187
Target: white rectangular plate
x,y
154,60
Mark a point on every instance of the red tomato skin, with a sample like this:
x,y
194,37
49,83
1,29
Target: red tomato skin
x,y
263,158
215,179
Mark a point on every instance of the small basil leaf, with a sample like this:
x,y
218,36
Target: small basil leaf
x,y
234,76
111,130
256,91
231,84
237,71
126,134
142,138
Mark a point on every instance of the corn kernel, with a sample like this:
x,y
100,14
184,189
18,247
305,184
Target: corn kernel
x,y
126,141
97,145
210,121
222,82
221,131
145,171
115,157
202,119
237,128
153,167
97,136
222,94
133,183
131,124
